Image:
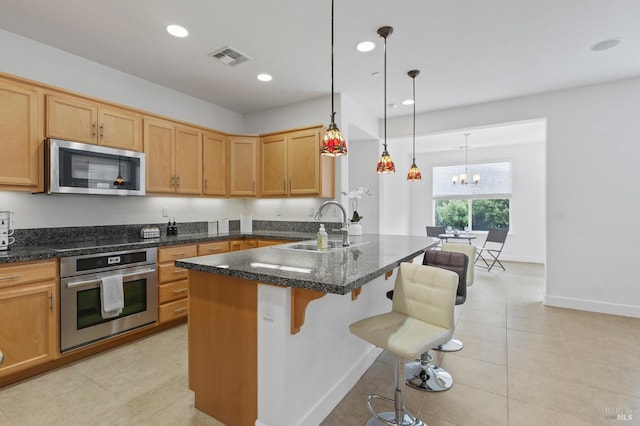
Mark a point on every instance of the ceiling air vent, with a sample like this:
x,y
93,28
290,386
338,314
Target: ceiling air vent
x,y
230,56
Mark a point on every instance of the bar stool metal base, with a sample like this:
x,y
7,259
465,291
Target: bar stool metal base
x,y
453,345
400,416
424,376
390,417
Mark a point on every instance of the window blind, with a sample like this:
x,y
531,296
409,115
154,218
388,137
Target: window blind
x,y
495,181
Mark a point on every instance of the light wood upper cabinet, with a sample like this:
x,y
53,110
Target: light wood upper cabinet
x,y
21,115
275,180
173,155
243,166
188,160
119,128
159,141
215,172
292,165
81,120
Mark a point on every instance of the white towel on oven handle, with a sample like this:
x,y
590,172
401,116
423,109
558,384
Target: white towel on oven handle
x,y
111,296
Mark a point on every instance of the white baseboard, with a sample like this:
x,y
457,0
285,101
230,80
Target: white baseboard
x,y
331,399
592,306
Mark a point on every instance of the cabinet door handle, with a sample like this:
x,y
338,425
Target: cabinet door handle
x,y
289,185
51,301
179,254
93,128
178,181
102,131
180,290
179,271
284,185
177,311
1,357
213,250
206,183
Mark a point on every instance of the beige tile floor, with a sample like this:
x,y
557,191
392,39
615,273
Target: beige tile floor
x,y
523,364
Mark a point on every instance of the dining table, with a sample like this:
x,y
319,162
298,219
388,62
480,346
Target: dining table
x,y
460,236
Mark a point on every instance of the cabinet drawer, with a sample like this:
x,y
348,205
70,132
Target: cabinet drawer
x,y
267,243
235,245
170,272
249,244
173,310
167,254
28,272
213,248
173,291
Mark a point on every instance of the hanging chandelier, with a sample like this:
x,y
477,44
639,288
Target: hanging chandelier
x,y
462,178
333,143
385,163
414,172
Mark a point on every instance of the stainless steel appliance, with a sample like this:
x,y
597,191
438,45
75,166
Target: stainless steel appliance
x,y
81,321
81,168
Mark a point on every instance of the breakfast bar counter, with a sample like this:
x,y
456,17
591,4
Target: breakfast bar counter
x,y
268,327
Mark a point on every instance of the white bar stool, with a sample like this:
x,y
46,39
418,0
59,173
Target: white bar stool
x,y
422,317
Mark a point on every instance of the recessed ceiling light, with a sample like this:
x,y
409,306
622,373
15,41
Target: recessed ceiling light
x,y
264,77
606,44
177,31
408,102
366,46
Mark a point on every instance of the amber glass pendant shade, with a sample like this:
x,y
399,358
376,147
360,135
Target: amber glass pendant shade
x,y
385,163
414,173
333,143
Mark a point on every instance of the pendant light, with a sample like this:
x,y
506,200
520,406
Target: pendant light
x,y
414,172
462,178
385,163
333,143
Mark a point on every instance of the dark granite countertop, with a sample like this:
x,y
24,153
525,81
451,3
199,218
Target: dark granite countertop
x,y
102,245
336,271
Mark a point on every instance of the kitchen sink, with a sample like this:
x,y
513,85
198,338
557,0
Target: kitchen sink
x,y
311,245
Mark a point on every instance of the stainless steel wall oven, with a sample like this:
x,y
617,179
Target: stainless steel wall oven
x,y
81,320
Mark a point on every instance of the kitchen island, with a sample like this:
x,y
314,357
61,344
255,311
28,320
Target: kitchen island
x,y
268,328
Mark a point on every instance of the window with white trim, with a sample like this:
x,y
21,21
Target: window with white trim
x,y
472,206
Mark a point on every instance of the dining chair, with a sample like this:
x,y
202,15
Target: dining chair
x,y
492,248
435,232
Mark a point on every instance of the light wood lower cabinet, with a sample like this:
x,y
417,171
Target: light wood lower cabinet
x,y
28,312
173,282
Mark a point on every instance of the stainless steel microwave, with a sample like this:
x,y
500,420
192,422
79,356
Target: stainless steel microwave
x,y
80,168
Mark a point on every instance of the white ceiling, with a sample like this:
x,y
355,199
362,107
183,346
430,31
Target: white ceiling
x,y
467,51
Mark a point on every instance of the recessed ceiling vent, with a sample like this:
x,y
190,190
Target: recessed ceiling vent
x,y
230,56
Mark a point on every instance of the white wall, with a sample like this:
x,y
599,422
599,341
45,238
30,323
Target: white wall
x,y
592,153
526,239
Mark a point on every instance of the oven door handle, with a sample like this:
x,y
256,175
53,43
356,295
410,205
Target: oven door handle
x,y
86,283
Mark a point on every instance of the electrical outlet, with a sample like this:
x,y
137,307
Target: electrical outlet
x,y
278,211
267,309
311,212
165,211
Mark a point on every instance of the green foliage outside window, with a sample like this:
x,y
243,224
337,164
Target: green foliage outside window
x,y
485,214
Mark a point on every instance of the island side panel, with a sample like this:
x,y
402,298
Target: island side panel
x,y
223,347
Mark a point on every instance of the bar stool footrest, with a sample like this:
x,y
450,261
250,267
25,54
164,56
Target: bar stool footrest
x,y
388,417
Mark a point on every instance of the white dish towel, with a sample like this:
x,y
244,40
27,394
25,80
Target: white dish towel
x,y
111,296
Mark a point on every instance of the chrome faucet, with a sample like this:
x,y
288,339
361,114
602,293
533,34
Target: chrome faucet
x,y
345,223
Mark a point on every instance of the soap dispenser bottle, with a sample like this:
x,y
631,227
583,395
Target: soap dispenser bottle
x,y
322,238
